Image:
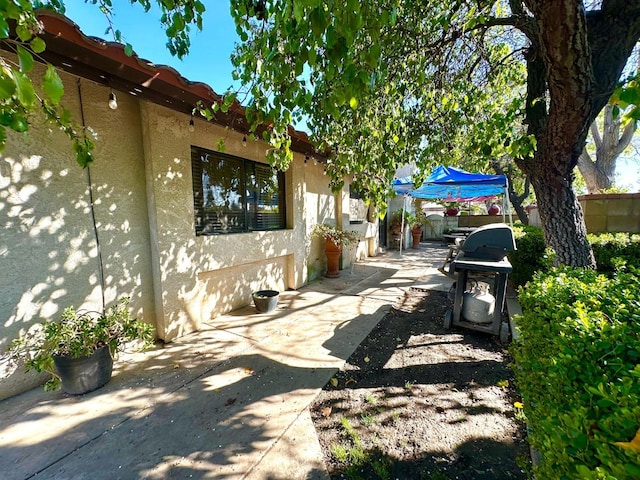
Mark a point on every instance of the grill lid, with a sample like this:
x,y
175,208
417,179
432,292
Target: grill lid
x,y
490,242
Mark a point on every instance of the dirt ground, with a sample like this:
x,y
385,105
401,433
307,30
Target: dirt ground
x,y
416,401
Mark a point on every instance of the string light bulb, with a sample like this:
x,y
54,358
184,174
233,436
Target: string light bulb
x,y
192,126
113,102
244,140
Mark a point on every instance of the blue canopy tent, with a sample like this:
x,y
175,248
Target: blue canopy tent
x,y
454,185
448,183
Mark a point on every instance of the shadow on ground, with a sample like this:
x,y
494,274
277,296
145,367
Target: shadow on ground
x,y
415,400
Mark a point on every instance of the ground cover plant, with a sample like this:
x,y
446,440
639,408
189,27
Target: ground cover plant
x,y
417,401
578,368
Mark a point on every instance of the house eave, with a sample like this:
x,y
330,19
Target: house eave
x,y
106,63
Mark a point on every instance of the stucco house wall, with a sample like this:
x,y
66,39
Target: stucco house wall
x,y
143,198
48,254
200,277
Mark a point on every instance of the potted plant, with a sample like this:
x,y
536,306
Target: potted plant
x,y
451,209
493,209
78,350
334,241
395,223
416,230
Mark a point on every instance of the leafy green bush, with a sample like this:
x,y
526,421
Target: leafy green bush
x,y
577,369
531,254
615,249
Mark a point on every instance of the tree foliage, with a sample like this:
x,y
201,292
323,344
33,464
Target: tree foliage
x,y
21,97
387,82
611,134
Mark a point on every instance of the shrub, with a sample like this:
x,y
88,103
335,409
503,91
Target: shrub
x,y
612,250
531,254
578,372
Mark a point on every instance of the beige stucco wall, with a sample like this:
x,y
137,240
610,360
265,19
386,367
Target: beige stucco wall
x,y
48,255
610,212
143,195
200,277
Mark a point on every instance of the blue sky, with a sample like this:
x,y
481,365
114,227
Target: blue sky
x,y
208,60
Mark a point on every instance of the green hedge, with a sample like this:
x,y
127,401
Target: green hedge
x,y
530,255
613,249
578,370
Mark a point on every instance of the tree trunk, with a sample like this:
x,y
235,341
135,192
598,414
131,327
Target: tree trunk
x,y
595,179
599,175
563,224
520,211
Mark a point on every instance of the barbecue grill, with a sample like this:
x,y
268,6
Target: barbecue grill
x,y
483,254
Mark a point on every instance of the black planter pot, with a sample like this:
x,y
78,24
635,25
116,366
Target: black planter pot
x,y
83,375
265,300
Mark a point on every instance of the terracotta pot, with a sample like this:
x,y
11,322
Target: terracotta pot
x,y
416,233
493,209
452,212
332,251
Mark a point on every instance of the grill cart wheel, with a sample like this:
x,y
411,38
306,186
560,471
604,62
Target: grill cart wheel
x,y
505,334
447,319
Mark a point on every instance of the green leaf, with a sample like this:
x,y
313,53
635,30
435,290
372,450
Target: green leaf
x,y
128,49
630,96
5,117
4,27
331,36
53,86
374,55
318,21
7,86
394,15
298,11
83,148
24,89
23,32
3,138
353,103
19,123
633,469
25,59
38,45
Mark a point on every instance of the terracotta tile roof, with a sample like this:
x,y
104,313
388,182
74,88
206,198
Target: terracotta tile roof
x,y
107,63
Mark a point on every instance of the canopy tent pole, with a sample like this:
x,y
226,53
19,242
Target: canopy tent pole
x,y
506,202
404,206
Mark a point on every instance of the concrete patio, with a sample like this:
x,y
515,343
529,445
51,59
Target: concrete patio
x,y
228,402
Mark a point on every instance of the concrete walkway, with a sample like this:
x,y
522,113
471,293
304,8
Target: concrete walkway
x,y
228,402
